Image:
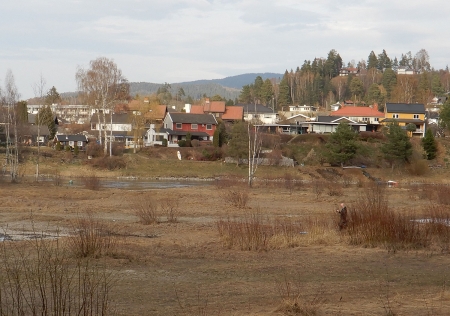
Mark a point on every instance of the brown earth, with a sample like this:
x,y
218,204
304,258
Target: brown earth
x,y
183,268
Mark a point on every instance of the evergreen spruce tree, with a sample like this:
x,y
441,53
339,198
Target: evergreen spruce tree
x,y
342,145
398,149
429,145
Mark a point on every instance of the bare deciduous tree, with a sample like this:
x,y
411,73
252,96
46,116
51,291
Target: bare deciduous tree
x,y
103,85
9,99
38,89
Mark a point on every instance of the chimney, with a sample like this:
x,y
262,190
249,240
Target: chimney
x,y
187,108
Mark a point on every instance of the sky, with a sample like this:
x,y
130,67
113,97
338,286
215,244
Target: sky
x,y
184,40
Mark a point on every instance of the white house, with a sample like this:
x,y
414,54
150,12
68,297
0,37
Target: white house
x,y
259,113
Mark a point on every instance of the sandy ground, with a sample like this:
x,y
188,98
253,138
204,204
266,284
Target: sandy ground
x,y
182,268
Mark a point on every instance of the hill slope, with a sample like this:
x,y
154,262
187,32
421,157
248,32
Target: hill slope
x,y
228,87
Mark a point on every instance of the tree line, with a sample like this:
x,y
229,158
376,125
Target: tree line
x,y
320,82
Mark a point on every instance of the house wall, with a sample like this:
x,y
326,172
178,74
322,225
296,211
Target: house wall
x,y
115,127
186,127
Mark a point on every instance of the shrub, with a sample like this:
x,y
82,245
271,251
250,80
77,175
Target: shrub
x,y
254,232
76,150
147,212
211,154
95,150
58,146
91,237
237,197
117,149
418,167
373,224
67,148
40,278
164,142
169,206
182,143
109,163
195,143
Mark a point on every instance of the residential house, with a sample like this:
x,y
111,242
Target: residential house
x,y
362,114
72,140
404,114
259,113
176,126
349,71
328,124
118,127
218,109
405,71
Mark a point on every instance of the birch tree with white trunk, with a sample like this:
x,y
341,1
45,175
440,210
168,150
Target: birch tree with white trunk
x,y
103,85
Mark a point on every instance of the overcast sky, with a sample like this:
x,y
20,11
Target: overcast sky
x,y
182,40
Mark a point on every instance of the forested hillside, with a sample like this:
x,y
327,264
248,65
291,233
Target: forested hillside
x,y
379,79
227,88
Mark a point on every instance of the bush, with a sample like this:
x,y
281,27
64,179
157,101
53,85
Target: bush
x,y
195,143
109,163
238,197
117,149
418,167
76,150
164,142
40,278
182,143
147,211
95,150
254,232
91,237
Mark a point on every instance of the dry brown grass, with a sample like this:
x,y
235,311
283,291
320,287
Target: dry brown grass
x,y
147,211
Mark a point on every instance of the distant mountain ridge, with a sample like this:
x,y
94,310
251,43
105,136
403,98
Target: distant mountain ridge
x,y
229,87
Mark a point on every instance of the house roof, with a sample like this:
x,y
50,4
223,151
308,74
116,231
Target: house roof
x,y
416,108
363,111
71,138
233,113
197,109
255,108
214,106
333,119
158,113
192,118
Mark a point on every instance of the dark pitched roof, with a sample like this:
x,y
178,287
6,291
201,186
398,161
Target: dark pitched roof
x,y
192,118
413,108
71,138
255,108
332,119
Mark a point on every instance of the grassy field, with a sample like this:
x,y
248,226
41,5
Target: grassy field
x,y
221,248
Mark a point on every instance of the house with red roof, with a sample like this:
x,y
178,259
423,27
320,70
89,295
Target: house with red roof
x,y
218,109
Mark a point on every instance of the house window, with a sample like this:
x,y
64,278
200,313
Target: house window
x,y
178,126
80,143
416,116
208,126
395,116
40,139
194,126
71,143
376,119
217,114
365,119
